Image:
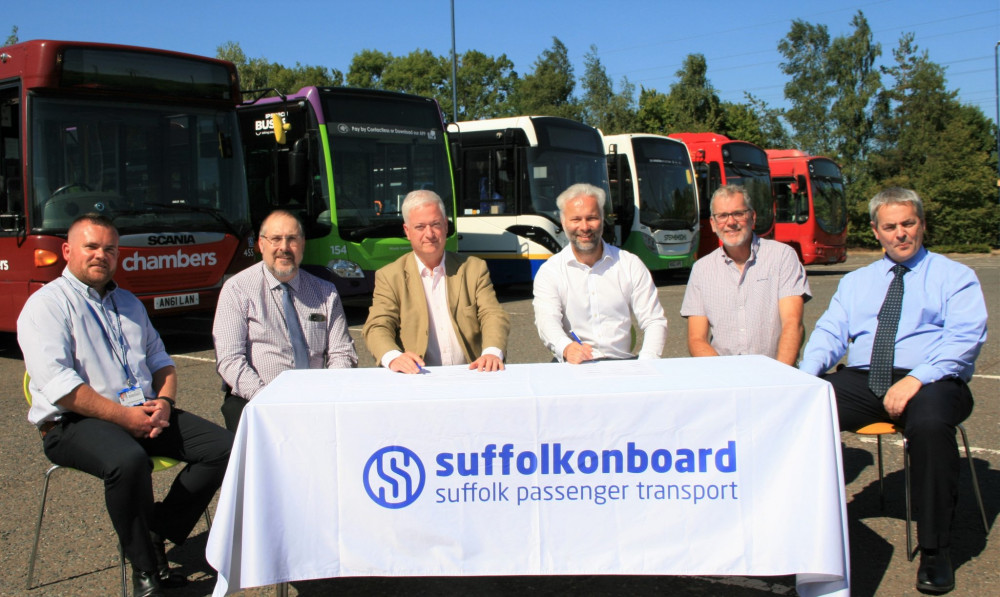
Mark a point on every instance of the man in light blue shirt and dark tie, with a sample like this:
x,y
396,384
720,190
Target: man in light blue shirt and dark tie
x,y
928,359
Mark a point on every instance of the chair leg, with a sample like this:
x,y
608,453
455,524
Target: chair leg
x,y
121,564
38,525
909,515
975,479
881,488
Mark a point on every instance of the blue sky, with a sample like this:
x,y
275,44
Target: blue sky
x,y
643,40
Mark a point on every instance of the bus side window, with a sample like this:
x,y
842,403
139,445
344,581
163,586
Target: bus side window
x,y
11,190
503,183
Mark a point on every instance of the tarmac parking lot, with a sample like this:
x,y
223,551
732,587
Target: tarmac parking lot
x,y
78,553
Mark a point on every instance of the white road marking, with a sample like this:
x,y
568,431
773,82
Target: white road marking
x,y
190,358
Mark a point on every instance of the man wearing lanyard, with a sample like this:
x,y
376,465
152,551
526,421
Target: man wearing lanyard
x,y
587,294
912,325
103,397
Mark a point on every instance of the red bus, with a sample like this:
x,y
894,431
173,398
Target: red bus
x,y
146,137
719,160
811,207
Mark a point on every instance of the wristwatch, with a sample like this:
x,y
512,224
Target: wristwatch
x,y
170,400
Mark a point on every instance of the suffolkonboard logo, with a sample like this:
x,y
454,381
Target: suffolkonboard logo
x,y
394,476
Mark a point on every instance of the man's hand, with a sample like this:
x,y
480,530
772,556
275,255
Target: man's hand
x,y
407,362
159,416
487,362
899,395
577,353
139,421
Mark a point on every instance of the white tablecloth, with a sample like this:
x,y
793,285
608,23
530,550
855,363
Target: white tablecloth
x,y
714,466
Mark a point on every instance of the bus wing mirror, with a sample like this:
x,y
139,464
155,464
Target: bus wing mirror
x,y
280,128
297,163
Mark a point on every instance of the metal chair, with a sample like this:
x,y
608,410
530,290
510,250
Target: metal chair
x,y
880,429
160,463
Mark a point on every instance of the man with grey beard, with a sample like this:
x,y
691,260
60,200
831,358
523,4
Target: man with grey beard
x,y
747,296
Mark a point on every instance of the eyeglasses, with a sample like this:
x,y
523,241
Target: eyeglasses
x,y
277,240
739,216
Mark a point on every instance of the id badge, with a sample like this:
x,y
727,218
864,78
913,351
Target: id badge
x,y
131,396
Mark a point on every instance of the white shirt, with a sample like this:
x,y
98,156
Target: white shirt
x,y
598,303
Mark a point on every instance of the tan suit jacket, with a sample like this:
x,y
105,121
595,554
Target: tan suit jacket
x,y
398,318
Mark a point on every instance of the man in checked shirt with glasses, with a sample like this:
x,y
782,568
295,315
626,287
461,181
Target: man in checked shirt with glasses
x,y
258,334
747,296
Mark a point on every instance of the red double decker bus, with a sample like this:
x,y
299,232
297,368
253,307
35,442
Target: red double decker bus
x,y
719,160
146,137
811,207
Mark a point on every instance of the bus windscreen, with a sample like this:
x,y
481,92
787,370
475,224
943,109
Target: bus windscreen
x,y
145,73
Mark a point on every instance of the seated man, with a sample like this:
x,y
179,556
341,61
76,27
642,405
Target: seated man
x,y
273,316
746,297
587,294
103,397
431,307
912,325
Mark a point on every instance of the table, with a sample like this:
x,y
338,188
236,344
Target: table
x,y
712,466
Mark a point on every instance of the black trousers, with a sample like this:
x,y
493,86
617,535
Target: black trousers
x,y
107,451
232,410
928,423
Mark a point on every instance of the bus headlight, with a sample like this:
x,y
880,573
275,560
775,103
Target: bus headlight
x,y
345,269
650,243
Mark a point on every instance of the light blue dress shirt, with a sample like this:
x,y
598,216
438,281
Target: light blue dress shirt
x,y
941,329
69,335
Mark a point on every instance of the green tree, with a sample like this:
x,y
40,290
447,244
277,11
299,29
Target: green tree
x,y
932,143
253,73
601,107
858,84
12,38
366,69
756,122
548,89
289,80
652,116
485,86
623,112
837,104
420,72
810,90
691,106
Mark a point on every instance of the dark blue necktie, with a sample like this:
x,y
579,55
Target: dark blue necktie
x,y
294,329
884,347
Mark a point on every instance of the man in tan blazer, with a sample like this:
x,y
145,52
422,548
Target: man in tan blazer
x,y
431,307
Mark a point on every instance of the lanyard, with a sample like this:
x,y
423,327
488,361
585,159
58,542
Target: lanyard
x,y
122,358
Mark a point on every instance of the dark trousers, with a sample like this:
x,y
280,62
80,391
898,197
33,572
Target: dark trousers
x,y
107,451
232,410
928,423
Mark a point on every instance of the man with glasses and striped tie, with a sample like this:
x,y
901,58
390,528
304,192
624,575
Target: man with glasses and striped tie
x,y
747,296
274,316
914,322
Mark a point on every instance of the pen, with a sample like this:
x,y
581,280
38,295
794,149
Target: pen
x,y
575,338
421,369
